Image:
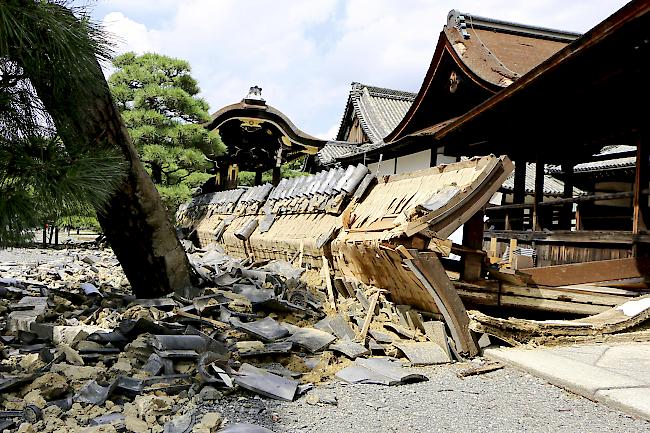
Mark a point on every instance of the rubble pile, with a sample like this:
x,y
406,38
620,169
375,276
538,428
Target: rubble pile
x,y
80,353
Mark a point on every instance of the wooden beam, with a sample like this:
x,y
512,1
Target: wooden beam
x,y
589,272
328,282
433,277
595,237
366,323
473,238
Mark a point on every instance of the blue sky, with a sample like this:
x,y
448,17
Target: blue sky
x,y
305,54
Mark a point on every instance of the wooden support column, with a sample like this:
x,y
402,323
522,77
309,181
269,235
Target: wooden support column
x,y
232,178
640,201
538,220
258,176
519,195
473,238
433,158
567,209
276,176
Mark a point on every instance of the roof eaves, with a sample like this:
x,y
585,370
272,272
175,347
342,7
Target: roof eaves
x,y
460,20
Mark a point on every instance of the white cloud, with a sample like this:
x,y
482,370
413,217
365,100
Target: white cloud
x,y
126,34
305,54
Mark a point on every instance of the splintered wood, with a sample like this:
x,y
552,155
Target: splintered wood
x,y
621,318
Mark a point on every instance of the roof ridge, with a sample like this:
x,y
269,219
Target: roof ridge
x,y
383,91
459,20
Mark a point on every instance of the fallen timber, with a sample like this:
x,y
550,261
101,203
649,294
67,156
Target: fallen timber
x,y
391,233
341,214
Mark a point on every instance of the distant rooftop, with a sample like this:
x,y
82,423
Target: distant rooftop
x,y
378,109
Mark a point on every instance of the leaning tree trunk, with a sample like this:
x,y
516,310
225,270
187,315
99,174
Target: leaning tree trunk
x,y
135,221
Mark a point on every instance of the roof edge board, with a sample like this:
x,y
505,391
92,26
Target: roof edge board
x,y
479,22
604,29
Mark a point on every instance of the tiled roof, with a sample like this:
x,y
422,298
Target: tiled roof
x,y
552,186
334,150
498,51
607,164
378,109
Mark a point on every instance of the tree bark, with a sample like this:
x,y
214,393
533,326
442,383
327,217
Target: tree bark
x,y
156,173
135,220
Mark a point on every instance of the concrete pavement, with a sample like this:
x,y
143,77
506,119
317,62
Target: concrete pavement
x,y
615,374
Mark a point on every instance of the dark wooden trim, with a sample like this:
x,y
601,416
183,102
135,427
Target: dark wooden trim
x,y
593,197
583,236
510,206
567,210
519,193
538,220
473,238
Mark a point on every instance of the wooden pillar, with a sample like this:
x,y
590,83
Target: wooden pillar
x,y
276,176
567,209
519,194
640,201
473,238
538,220
433,158
258,176
232,179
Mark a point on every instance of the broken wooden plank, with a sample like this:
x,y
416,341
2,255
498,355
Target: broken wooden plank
x,y
369,316
430,272
328,283
482,369
589,272
519,331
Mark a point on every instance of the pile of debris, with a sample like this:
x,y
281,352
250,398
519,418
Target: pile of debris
x,y
79,353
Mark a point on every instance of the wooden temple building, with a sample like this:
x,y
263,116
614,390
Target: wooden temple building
x,y
559,104
564,116
259,138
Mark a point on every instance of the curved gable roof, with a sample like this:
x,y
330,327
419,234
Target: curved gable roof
x,y
485,54
378,109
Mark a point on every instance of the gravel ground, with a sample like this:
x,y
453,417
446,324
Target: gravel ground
x,y
36,256
505,401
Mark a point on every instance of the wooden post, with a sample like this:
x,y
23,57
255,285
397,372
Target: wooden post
x,y
511,254
567,209
276,176
538,220
519,194
233,176
473,238
258,177
640,203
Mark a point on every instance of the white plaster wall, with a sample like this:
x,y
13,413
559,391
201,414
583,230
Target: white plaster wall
x,y
444,159
386,167
414,161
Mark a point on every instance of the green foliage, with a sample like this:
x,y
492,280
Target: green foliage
x,y
288,170
157,98
42,177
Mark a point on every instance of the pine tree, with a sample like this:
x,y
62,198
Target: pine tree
x,y
158,100
55,50
42,178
